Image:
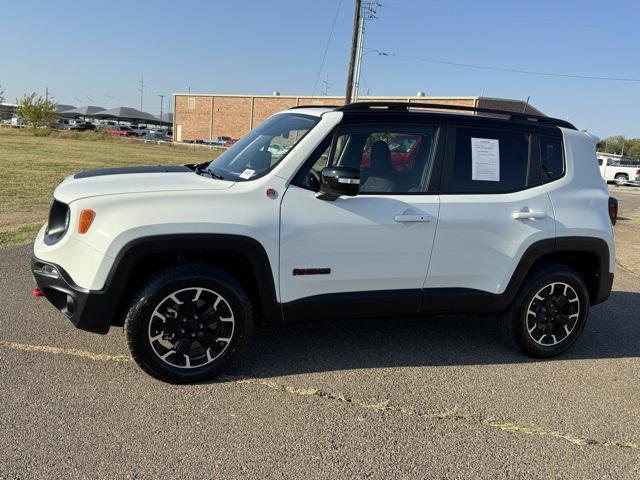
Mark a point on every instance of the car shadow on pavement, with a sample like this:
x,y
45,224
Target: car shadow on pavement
x,y
612,331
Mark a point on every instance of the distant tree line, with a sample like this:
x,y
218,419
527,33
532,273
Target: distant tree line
x,y
621,145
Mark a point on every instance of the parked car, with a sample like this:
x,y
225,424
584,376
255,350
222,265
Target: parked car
x,y
160,130
120,131
158,136
139,130
229,143
190,258
619,173
219,141
277,150
84,126
64,124
403,149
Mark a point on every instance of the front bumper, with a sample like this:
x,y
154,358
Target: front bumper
x,y
88,310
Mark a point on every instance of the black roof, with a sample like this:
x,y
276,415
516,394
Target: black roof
x,y
451,110
370,107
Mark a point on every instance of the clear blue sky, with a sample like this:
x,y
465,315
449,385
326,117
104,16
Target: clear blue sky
x,y
93,52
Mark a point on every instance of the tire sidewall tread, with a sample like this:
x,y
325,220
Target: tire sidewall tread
x,y
512,323
157,288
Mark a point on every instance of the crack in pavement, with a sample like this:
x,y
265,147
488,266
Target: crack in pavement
x,y
100,357
454,415
449,414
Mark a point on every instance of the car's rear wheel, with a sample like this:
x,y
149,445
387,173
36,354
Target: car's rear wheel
x,y
549,312
621,179
188,323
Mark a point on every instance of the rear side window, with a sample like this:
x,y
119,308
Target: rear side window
x,y
490,161
552,159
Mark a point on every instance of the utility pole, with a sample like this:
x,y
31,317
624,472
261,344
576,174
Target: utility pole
x,y
325,85
161,103
354,48
364,12
141,90
358,66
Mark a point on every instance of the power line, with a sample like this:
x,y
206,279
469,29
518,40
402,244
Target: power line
x,y
503,69
326,48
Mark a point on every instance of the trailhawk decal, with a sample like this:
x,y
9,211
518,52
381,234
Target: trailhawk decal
x,y
311,271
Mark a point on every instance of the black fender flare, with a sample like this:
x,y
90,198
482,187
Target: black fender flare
x,y
250,249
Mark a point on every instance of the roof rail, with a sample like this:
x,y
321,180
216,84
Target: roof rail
x,y
431,106
314,106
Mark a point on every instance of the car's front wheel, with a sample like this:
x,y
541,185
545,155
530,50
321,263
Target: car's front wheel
x,y
188,323
549,312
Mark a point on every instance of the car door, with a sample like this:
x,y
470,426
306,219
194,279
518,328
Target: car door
x,y
367,254
493,206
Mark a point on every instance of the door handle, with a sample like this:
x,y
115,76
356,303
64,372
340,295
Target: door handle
x,y
412,218
527,214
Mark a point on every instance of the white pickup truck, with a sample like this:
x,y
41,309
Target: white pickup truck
x,y
613,170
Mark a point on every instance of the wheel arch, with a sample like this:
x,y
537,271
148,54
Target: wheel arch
x,y
587,256
241,256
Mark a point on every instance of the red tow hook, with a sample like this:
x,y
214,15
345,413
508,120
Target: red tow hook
x,y
37,292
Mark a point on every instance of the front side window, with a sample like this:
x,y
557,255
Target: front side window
x,y
262,148
490,161
392,159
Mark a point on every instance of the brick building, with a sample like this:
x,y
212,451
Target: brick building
x,y
199,116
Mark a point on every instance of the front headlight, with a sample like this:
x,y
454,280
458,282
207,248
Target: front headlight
x,y
58,224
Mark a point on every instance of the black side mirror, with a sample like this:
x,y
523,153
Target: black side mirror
x,y
337,181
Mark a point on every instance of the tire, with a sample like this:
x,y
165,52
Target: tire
x,y
188,323
621,179
546,328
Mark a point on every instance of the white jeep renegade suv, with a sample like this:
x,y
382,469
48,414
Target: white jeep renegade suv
x,y
371,209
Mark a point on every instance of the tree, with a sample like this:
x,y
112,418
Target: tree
x,y
36,111
1,94
620,145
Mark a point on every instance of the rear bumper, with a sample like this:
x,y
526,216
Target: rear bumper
x,y
88,310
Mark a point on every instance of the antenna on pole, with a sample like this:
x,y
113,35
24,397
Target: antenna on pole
x,y
141,89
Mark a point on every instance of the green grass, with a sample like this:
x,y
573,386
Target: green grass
x,y
32,166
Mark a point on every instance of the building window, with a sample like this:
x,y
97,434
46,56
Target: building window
x,y
191,103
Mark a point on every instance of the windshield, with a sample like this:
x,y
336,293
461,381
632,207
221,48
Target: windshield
x,y
262,148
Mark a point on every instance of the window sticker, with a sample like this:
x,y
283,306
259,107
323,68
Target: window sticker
x,y
485,159
248,173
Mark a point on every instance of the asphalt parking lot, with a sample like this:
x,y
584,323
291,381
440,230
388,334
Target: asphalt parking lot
x,y
389,398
